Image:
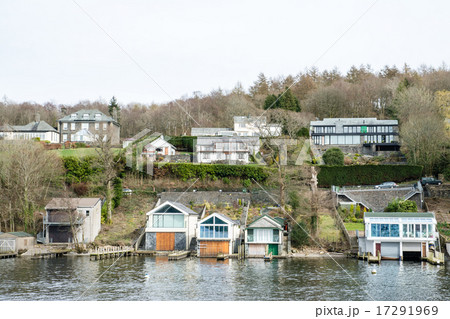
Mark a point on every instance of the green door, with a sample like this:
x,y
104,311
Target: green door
x,y
273,248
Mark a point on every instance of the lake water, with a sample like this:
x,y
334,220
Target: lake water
x,y
75,278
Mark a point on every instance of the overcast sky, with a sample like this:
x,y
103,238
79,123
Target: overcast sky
x,y
53,51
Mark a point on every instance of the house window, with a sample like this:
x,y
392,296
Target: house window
x,y
73,116
85,126
250,235
97,126
64,137
168,221
385,230
85,116
214,227
105,126
72,126
64,126
276,235
205,156
87,213
241,156
97,116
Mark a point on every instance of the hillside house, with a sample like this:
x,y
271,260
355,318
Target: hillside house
x,y
355,135
69,220
217,234
399,235
267,235
159,146
37,129
255,126
212,131
226,149
170,226
73,127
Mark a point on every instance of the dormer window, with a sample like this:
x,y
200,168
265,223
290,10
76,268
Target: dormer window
x,y
85,116
97,116
73,116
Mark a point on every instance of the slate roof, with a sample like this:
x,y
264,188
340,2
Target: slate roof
x,y
266,221
17,234
250,119
208,131
62,203
91,117
399,215
177,205
40,126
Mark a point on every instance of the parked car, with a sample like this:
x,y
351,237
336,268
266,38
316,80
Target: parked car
x,y
386,185
430,180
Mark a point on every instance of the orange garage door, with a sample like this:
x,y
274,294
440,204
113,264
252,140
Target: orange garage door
x,y
213,248
165,241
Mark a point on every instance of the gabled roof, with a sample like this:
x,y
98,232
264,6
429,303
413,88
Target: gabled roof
x,y
16,234
78,117
223,217
160,141
265,221
64,203
353,121
178,206
208,131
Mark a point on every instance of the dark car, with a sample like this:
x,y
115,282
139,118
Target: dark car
x,y
386,185
430,180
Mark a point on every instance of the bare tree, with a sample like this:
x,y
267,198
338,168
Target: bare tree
x,y
109,165
26,171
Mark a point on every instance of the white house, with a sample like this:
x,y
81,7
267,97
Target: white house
x,y
255,126
216,234
211,131
158,146
37,129
231,149
170,226
64,216
264,236
399,235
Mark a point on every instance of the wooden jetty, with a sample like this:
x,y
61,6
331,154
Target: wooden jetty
x,y
222,256
268,257
110,252
51,254
150,253
373,259
8,255
177,255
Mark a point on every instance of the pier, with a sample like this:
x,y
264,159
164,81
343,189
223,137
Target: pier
x,y
373,259
51,254
8,255
179,255
110,252
222,256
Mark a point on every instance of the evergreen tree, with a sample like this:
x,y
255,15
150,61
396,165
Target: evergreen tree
x,y
285,101
269,102
113,105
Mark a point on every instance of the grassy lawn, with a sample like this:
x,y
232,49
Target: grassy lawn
x,y
354,226
327,229
80,152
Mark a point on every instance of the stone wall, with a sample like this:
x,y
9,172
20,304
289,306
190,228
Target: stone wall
x,y
442,191
224,198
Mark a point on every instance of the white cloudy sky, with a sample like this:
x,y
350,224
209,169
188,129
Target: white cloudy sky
x,y
52,50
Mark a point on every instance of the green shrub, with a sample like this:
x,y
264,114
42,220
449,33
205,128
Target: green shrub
x,y
397,205
118,192
246,183
367,174
303,132
226,180
79,170
294,200
183,143
333,156
299,235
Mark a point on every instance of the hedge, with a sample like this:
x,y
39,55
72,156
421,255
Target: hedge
x,y
182,143
186,171
366,174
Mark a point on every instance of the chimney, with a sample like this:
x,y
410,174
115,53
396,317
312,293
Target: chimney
x,y
64,110
37,117
114,114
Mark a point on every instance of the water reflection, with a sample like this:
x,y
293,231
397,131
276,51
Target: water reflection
x,y
208,279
